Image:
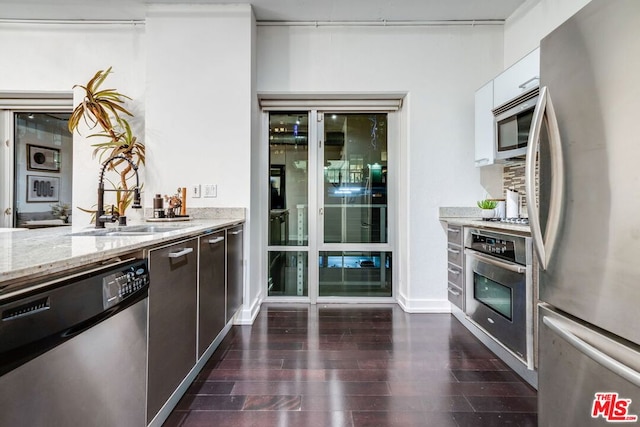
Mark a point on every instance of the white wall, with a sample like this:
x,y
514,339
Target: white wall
x,y
532,21
55,57
440,68
200,100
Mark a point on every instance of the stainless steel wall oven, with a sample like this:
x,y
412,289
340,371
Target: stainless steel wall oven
x,y
498,288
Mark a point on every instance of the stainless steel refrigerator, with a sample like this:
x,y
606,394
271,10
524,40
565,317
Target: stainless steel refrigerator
x,y
584,148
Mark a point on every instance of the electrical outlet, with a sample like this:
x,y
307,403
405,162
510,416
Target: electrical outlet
x,y
195,191
210,190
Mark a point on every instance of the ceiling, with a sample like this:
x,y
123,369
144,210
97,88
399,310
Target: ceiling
x,y
273,10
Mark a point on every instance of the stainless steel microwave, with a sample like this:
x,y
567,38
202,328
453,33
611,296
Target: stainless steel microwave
x,y
512,124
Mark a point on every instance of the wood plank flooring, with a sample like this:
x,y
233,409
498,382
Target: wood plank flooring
x,y
357,366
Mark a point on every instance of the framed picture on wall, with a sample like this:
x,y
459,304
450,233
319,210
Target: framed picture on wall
x,y
42,188
43,158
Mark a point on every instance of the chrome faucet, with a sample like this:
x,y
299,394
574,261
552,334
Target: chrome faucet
x,y
101,217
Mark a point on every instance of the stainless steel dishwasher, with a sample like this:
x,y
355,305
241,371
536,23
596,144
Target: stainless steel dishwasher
x,y
73,349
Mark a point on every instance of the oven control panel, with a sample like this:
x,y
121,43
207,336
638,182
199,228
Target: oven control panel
x,y
505,246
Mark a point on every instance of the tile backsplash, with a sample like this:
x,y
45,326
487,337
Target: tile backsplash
x,y
513,179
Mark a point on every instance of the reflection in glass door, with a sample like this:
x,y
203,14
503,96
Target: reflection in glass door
x,y
288,204
354,256
328,233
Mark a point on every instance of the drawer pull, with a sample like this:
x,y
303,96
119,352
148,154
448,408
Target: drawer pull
x,y
453,251
216,240
235,233
452,271
453,291
180,253
453,230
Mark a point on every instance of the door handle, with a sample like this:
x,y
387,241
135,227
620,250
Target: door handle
x,y
216,240
592,352
544,111
516,268
180,253
524,84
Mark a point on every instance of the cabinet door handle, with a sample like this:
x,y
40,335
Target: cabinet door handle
x,y
453,251
452,271
181,252
235,233
216,240
523,85
453,230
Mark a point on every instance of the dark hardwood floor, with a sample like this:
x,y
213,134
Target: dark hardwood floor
x,y
354,365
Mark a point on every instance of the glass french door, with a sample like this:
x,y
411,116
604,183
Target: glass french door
x,y
353,254
329,205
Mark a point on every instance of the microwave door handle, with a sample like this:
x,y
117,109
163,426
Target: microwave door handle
x,y
544,111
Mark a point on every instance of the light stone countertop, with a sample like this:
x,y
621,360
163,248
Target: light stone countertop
x,y
27,255
471,217
490,225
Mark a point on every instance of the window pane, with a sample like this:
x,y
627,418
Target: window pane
x,y
355,178
288,274
365,274
288,178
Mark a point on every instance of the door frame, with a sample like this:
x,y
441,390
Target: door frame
x,y
389,104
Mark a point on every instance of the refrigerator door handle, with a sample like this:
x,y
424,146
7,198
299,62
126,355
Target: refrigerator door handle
x,y
592,352
544,111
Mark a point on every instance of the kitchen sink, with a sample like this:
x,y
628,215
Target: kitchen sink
x,y
139,230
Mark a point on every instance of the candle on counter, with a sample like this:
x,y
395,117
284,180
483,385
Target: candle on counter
x,y
183,210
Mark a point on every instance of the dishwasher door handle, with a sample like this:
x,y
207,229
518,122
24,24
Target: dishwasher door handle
x,y
216,240
180,253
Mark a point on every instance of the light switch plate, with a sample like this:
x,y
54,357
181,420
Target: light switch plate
x,y
210,190
195,191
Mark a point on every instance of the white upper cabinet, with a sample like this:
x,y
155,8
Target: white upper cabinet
x,y
521,77
484,126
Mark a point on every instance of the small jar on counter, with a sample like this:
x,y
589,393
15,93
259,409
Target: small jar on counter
x,y
158,206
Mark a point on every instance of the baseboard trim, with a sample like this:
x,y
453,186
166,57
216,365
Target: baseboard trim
x,y
423,305
248,316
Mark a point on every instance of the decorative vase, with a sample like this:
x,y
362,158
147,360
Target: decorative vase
x,y
488,213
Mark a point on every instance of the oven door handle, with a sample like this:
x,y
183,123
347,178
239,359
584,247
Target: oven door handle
x,y
516,268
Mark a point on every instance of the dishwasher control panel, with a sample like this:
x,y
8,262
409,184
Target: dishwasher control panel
x,y
118,286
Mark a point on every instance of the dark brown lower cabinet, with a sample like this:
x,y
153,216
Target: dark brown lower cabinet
x,y
173,271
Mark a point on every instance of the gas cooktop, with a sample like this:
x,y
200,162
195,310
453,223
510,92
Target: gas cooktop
x,y
517,221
